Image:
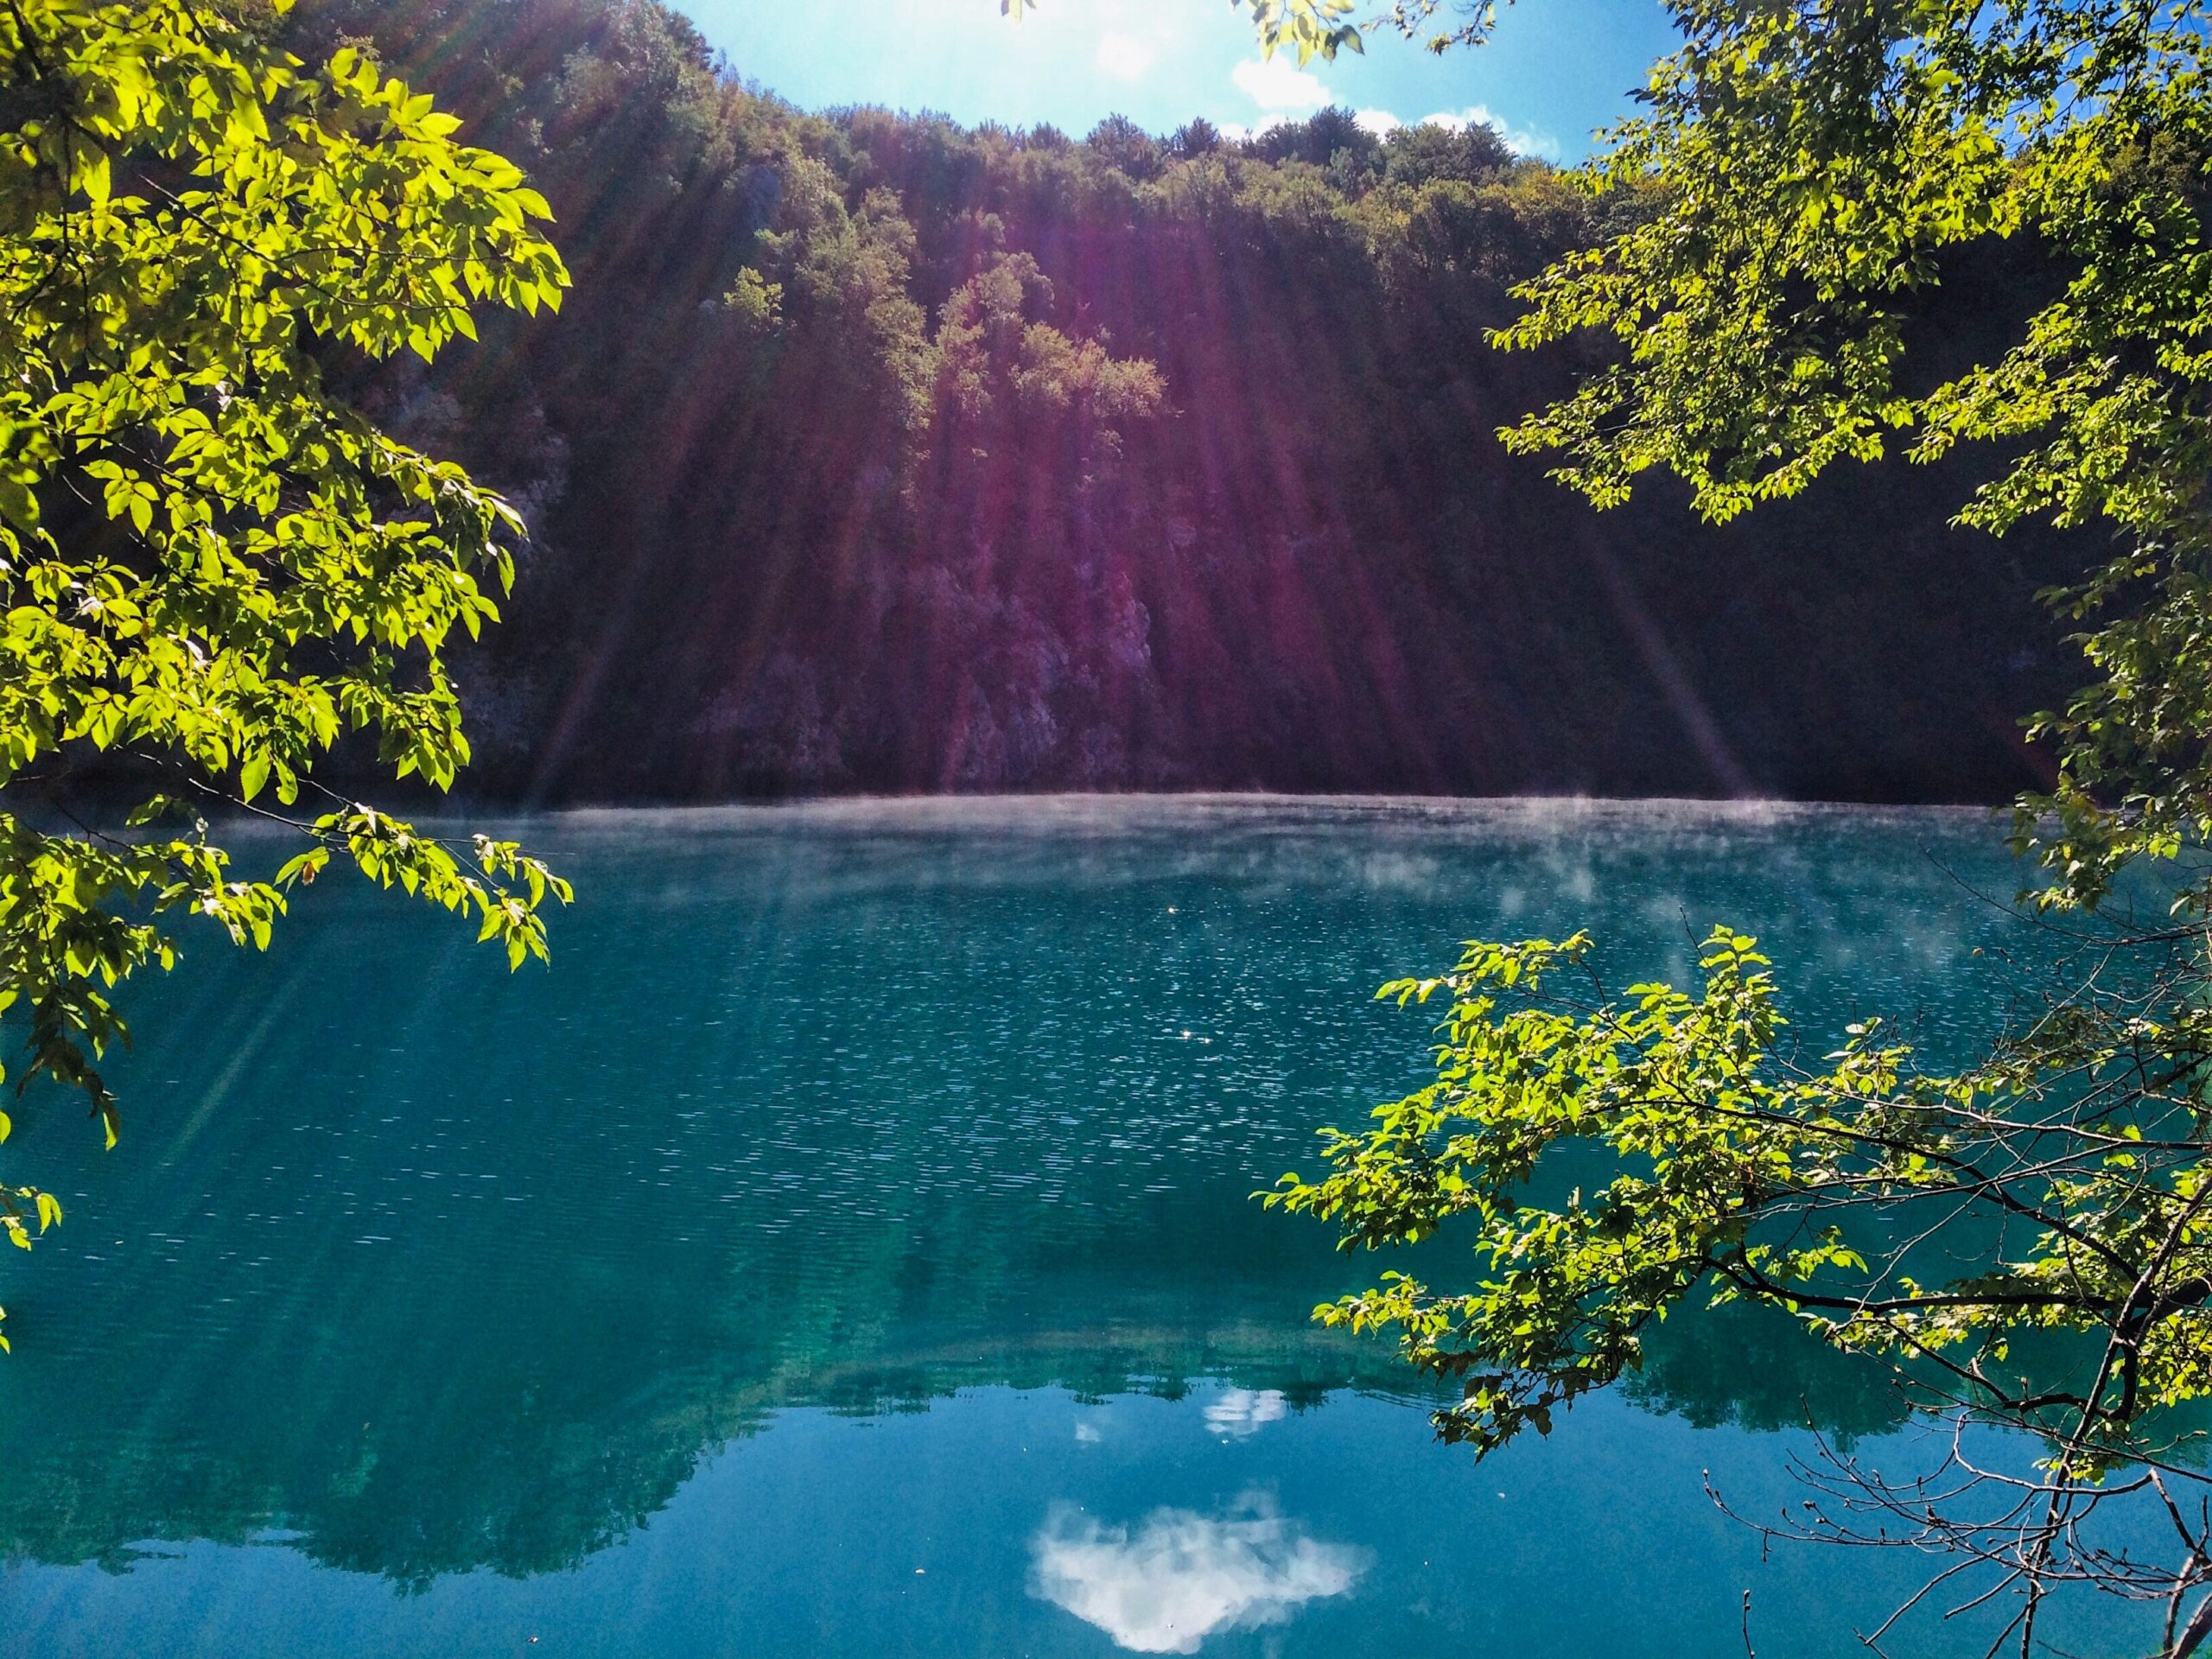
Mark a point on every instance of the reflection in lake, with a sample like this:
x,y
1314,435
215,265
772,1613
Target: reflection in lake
x,y
1180,1577
1240,1412
860,1181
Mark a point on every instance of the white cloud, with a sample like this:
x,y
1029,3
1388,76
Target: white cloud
x,y
1381,122
1521,141
1240,1413
1275,84
1182,1576
1237,132
1125,57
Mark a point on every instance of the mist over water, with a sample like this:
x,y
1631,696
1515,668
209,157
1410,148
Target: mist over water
x,y
846,1246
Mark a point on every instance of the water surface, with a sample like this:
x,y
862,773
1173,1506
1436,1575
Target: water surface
x,y
845,1247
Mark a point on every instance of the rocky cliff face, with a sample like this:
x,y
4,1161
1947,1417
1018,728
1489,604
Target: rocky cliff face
x,y
870,454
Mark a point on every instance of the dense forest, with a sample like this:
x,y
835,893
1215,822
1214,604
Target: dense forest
x,y
870,453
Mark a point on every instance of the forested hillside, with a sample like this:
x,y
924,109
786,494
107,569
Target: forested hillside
x,y
870,453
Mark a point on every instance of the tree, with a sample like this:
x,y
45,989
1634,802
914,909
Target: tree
x,y
1319,139
1121,143
1195,137
1803,176
213,568
1421,155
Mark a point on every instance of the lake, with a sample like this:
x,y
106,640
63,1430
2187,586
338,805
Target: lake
x,y
846,1248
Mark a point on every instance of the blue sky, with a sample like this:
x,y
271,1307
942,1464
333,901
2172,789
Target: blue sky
x,y
1556,69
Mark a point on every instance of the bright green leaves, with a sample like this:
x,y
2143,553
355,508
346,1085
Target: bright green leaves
x,y
26,1213
1321,29
1803,171
191,227
1731,1171
1310,28
494,882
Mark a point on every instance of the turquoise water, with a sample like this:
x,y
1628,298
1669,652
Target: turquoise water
x,y
845,1248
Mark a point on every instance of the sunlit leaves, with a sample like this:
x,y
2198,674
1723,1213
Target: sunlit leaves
x,y
190,226
1802,172
1312,28
1731,1170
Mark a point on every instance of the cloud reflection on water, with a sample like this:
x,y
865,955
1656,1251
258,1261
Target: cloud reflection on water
x,y
1242,1412
1180,1576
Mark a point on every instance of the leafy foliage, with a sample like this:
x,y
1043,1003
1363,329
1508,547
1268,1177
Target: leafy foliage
x,y
1734,1166
1807,174
209,562
2067,1169
1812,167
1322,28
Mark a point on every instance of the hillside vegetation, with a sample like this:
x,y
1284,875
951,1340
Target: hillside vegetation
x,y
873,453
